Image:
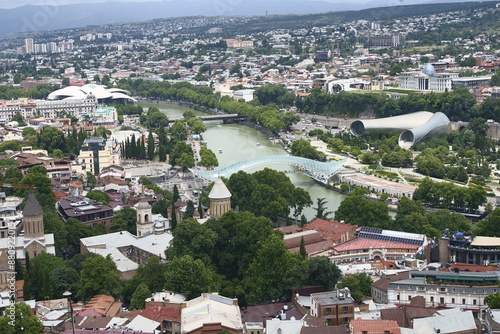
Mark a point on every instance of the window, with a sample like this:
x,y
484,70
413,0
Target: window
x,y
453,300
463,300
345,309
398,297
409,297
328,311
364,332
474,301
441,300
279,331
432,299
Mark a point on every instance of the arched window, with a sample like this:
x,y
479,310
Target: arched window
x,y
279,330
146,218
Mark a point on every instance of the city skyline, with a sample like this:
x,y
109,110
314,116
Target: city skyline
x,y
9,4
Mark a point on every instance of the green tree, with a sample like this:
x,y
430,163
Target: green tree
x,y
99,196
76,231
76,262
495,79
323,272
139,297
179,131
302,148
23,321
178,150
208,158
274,271
19,119
194,239
30,135
190,209
274,94
239,237
444,219
51,138
99,276
321,210
151,146
431,166
359,285
91,180
490,226
493,300
410,217
63,279
302,250
197,126
300,200
189,276
185,161
152,273
363,212
124,220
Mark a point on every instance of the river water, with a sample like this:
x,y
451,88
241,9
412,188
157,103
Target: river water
x,y
239,142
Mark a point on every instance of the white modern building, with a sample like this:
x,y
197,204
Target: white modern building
x,y
427,80
446,289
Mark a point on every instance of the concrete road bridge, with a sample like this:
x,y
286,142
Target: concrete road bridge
x,y
226,118
320,171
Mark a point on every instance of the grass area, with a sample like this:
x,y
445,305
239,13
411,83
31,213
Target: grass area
x,y
386,174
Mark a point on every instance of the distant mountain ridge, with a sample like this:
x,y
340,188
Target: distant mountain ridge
x,y
29,18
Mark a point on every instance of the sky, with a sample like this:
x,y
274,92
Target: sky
x,y
17,3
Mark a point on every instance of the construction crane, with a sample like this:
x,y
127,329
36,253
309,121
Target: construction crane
x,y
8,185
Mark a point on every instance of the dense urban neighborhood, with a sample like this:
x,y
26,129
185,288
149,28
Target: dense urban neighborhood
x,y
276,174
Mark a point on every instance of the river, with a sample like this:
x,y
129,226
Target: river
x,y
239,142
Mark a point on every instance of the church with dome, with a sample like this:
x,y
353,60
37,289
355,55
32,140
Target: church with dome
x,y
220,199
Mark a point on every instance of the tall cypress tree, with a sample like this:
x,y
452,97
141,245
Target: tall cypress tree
x,y
162,153
142,146
151,146
175,194
200,210
133,147
173,218
302,250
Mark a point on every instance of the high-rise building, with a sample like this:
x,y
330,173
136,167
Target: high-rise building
x,y
29,45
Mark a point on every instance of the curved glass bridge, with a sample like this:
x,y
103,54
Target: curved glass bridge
x,y
320,171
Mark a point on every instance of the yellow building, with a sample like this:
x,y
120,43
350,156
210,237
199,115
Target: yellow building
x,y
98,153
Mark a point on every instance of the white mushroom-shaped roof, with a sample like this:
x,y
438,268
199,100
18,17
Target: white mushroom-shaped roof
x,y
219,190
99,91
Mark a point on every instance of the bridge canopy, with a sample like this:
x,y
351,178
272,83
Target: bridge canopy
x,y
320,171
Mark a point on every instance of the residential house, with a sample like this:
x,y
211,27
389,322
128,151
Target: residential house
x,y
336,307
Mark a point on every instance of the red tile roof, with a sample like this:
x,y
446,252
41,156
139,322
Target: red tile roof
x,y
294,241
459,266
384,281
365,243
160,313
330,229
374,326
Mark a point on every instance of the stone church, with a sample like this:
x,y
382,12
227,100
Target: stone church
x,y
31,240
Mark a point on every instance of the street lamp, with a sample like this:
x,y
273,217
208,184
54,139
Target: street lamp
x,y
68,295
